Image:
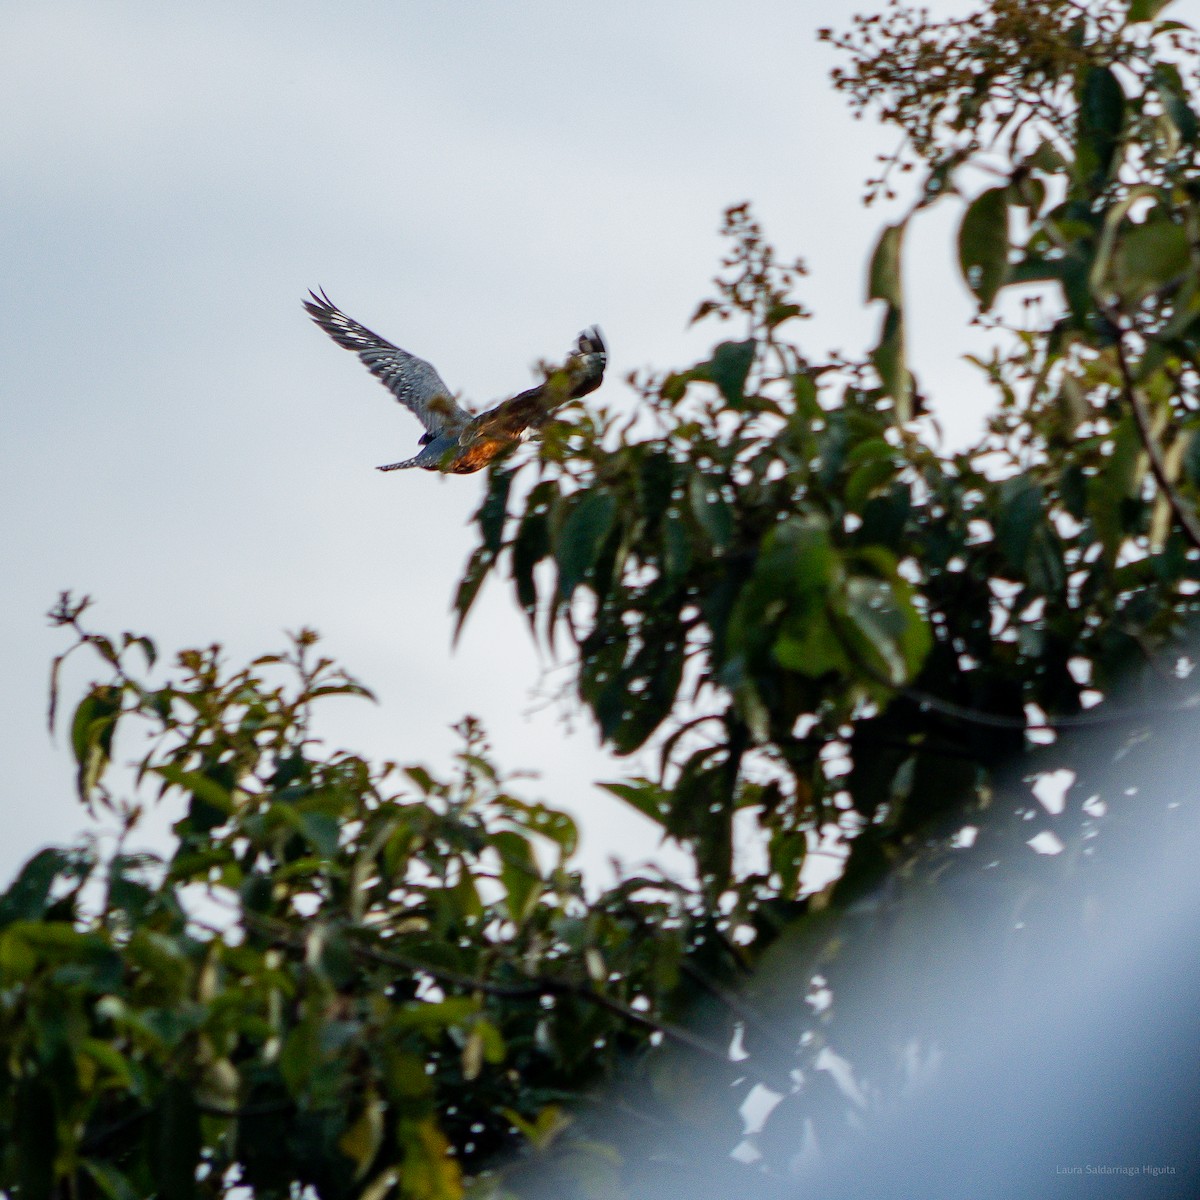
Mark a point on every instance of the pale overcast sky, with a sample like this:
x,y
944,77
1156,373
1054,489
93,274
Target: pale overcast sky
x,y
474,181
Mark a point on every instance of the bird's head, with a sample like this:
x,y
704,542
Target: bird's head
x,y
587,360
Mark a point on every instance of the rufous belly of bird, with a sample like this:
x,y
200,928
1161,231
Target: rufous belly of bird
x,y
478,454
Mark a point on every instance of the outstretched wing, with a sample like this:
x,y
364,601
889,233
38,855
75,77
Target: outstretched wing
x,y
413,381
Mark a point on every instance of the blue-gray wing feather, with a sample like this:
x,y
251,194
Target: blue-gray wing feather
x,y
413,381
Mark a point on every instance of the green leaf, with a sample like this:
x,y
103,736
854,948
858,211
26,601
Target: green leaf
x,y
809,645
112,1183
361,1139
35,1141
200,785
1173,94
983,244
753,711
519,874
799,553
300,1054
885,519
882,620
805,393
472,1055
531,545
786,854
1109,490
647,797
494,509
176,1142
555,826
480,563
884,280
1101,119
1032,269
493,1041
730,367
1020,514
677,548
1098,279
1046,158
57,937
219,1085
107,1056
550,1122
404,1073
17,958
655,481
26,898
92,731
1030,194
422,778
778,313
1191,457
711,510
1150,257
1145,10
658,670
161,958
433,1019
581,537
429,1170
146,646
891,363
791,578
783,607
382,1186
322,831
703,813
674,387
868,478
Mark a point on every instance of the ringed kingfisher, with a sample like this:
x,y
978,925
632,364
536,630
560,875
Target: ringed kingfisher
x,y
456,440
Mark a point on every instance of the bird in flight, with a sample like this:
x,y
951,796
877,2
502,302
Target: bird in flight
x,y
456,440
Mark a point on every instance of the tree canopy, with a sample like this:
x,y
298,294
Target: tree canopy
x,y
772,582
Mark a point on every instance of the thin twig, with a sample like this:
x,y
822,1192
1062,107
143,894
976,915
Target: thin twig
x,y
975,716
740,1009
550,987
1183,514
516,991
1107,716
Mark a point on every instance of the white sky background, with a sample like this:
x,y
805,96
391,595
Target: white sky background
x,y
476,182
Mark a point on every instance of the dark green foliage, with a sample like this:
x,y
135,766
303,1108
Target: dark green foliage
x,y
983,244
345,975
1101,116
809,621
